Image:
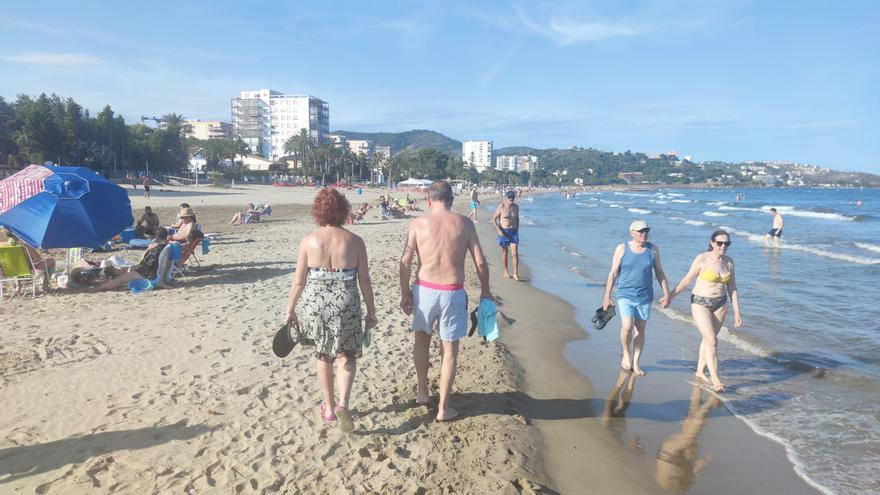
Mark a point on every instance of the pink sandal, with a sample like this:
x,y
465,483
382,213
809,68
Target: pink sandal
x,y
327,414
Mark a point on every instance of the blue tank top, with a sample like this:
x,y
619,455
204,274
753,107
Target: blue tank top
x,y
636,279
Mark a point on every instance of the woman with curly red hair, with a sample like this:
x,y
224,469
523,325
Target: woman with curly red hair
x,y
324,306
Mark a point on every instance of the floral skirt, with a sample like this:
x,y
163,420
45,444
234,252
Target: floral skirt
x,y
329,313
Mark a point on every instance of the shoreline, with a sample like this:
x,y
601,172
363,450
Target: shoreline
x,y
579,444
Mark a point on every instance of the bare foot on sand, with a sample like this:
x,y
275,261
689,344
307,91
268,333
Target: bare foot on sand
x,y
701,377
638,371
719,387
506,275
447,415
625,364
422,400
516,277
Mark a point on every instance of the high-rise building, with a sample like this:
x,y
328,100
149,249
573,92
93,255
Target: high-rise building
x,y
516,163
266,119
477,154
207,129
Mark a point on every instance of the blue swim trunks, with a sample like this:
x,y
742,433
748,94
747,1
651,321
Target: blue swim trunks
x,y
629,308
511,236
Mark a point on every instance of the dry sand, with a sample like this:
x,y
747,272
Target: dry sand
x,y
177,391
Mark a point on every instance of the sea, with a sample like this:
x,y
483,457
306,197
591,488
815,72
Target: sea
x,y
804,369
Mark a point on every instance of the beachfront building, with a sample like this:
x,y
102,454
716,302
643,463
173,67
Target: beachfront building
x,y
516,163
477,154
359,146
265,119
337,140
207,129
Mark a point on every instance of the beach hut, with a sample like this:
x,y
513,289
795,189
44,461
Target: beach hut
x,y
22,185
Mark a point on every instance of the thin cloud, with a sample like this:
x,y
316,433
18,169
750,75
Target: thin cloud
x,y
566,32
53,59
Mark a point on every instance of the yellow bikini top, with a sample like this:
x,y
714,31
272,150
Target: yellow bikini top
x,y
710,276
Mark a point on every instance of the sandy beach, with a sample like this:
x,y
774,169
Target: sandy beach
x,y
177,391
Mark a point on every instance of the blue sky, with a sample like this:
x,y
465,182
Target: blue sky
x,y
731,80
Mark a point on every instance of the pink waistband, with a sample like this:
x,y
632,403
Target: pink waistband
x,y
439,286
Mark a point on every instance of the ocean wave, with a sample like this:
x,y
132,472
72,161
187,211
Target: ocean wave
x,y
675,194
717,203
638,195
870,247
588,205
850,258
639,211
790,210
572,252
739,208
695,222
614,205
714,214
682,201
526,221
658,201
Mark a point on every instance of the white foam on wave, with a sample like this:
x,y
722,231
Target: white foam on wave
x,y
717,203
675,194
850,258
526,221
614,205
638,195
682,201
738,208
639,211
869,247
790,210
695,222
714,214
658,201
588,205
572,252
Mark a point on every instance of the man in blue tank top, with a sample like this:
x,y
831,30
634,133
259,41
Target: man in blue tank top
x,y
633,267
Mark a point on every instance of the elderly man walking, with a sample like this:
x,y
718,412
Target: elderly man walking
x,y
632,267
442,240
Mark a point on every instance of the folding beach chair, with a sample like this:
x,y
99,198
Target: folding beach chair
x,y
16,266
74,256
187,258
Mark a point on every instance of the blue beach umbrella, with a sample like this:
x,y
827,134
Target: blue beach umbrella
x,y
78,208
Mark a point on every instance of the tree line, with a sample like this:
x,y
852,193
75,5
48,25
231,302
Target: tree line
x,y
60,130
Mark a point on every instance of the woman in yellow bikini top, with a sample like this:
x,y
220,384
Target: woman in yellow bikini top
x,y
709,301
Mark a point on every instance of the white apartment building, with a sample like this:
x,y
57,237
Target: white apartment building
x,y
358,146
265,119
207,129
516,163
477,154
337,140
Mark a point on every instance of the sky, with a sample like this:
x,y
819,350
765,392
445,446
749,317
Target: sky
x,y
727,80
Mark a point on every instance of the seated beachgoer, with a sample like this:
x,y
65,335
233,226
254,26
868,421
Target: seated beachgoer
x,y
100,279
147,225
359,214
179,221
251,215
43,265
188,219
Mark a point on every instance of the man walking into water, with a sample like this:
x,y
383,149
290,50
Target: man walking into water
x,y
506,222
442,240
776,231
632,267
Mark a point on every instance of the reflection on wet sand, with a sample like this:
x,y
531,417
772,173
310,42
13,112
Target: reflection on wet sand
x,y
617,402
772,254
677,460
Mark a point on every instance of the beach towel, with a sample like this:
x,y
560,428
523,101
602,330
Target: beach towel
x,y
487,325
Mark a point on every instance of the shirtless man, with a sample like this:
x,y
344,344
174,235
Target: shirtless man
x,y
442,240
188,223
475,204
147,225
506,222
776,231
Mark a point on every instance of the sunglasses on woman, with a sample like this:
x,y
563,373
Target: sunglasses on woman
x,y
722,243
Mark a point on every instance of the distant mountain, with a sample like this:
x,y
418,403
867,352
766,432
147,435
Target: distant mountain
x,y
409,140
517,150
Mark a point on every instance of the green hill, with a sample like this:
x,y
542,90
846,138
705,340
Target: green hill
x,y
410,140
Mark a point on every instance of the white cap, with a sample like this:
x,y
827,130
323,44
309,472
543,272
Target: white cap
x,y
638,225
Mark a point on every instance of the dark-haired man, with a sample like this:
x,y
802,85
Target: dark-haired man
x,y
442,239
776,231
506,222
